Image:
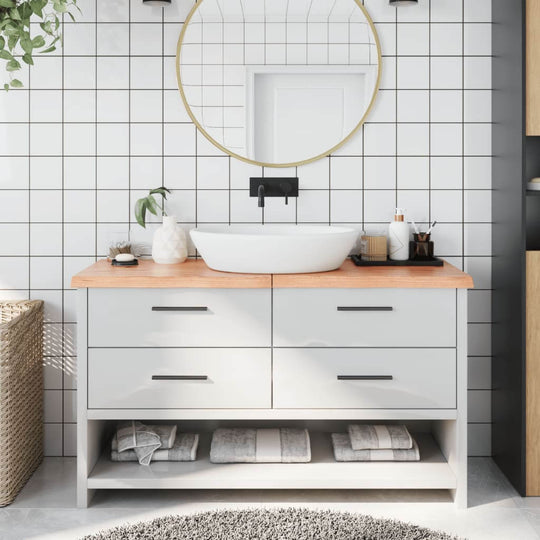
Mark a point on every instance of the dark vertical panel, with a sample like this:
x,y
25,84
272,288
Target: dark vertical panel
x,y
508,241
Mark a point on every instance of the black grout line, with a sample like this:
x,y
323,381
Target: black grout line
x,y
63,236
129,117
463,132
396,139
429,113
180,21
162,101
104,156
30,181
125,89
156,122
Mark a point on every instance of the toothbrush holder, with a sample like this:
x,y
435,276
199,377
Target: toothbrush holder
x,y
421,248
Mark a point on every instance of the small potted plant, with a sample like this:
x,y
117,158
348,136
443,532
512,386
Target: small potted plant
x,y
169,245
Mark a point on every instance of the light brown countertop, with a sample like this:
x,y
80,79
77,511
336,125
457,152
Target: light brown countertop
x,y
195,273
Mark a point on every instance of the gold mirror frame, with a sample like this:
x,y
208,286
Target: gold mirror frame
x,y
279,165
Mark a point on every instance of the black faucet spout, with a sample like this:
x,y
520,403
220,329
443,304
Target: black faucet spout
x,y
260,195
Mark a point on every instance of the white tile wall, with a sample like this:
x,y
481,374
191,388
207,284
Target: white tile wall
x,y
101,122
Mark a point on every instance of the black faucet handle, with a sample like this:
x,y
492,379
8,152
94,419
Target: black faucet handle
x,y
286,188
260,194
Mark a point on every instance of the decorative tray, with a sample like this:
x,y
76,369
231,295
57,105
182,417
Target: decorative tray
x,y
429,262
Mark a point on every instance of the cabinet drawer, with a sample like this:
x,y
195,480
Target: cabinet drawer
x,y
364,378
364,318
179,318
179,378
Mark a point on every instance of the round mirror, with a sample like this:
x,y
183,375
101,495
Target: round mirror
x,y
278,82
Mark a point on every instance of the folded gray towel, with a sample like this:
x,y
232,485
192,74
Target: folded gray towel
x,y
183,449
370,437
141,439
343,451
167,436
240,445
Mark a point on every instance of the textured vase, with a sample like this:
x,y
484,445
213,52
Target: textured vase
x,y
169,245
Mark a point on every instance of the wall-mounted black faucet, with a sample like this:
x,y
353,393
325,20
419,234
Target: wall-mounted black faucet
x,y
273,187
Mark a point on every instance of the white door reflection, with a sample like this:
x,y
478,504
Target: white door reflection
x,y
294,113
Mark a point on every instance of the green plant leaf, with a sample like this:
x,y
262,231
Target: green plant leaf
x,y
48,50
59,6
26,44
2,42
6,87
38,42
152,205
12,41
27,59
16,83
25,11
7,3
46,27
13,65
140,212
160,191
15,15
6,55
37,8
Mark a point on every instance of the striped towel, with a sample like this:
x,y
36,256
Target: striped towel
x,y
183,449
344,452
370,437
167,436
245,445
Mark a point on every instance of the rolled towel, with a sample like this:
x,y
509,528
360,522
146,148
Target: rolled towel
x,y
183,449
370,437
167,436
343,451
141,439
240,445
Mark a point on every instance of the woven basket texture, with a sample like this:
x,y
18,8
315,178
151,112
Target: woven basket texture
x,y
21,394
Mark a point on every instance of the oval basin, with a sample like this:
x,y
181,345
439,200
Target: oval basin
x,y
274,249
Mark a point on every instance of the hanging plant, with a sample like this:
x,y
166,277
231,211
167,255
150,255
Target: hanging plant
x,y
19,41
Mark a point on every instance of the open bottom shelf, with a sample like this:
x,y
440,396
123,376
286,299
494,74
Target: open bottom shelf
x,y
323,472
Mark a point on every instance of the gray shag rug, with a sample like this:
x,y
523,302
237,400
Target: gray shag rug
x,y
281,524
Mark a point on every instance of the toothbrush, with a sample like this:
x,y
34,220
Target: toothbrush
x,y
431,228
415,227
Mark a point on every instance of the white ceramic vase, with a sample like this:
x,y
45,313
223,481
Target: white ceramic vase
x,y
170,244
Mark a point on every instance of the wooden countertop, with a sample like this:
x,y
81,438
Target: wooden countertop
x,y
148,274
195,273
404,277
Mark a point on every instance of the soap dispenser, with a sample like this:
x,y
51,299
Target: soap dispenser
x,y
398,237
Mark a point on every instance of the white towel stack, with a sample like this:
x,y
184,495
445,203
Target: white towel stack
x,y
367,442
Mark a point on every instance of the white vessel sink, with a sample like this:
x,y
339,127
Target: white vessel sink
x,y
274,249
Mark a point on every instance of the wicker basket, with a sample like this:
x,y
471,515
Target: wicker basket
x,y
21,394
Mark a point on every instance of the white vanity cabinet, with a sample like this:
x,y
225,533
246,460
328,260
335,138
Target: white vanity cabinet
x,y
231,349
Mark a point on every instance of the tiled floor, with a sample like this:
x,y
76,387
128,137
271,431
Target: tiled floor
x,y
46,510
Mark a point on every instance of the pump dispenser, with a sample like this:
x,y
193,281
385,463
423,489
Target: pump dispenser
x,y
398,237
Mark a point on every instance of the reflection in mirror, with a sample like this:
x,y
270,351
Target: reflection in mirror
x,y
278,82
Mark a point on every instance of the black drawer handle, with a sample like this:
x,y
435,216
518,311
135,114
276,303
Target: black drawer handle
x,y
365,308
365,377
179,377
179,308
